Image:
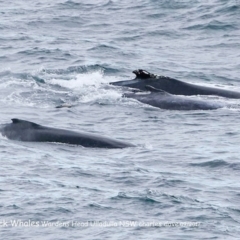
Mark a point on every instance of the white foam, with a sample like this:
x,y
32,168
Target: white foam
x,y
84,79
89,86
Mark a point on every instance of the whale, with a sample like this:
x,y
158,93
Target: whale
x,y
26,131
161,99
173,86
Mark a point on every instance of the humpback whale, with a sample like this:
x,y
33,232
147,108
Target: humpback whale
x,y
172,85
161,99
22,130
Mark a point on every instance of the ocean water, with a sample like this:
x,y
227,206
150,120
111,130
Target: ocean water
x,y
181,181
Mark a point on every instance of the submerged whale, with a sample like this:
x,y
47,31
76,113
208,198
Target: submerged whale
x,y
161,99
172,85
22,130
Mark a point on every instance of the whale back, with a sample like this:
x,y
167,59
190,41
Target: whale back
x,y
22,130
172,85
144,78
156,90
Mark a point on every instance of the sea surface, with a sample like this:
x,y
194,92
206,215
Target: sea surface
x,y
181,181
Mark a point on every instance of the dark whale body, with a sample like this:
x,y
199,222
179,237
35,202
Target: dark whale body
x,y
161,99
31,132
172,85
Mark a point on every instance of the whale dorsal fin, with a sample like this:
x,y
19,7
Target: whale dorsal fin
x,y
16,120
19,121
153,89
140,73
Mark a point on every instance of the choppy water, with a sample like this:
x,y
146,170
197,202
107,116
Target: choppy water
x,y
185,167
